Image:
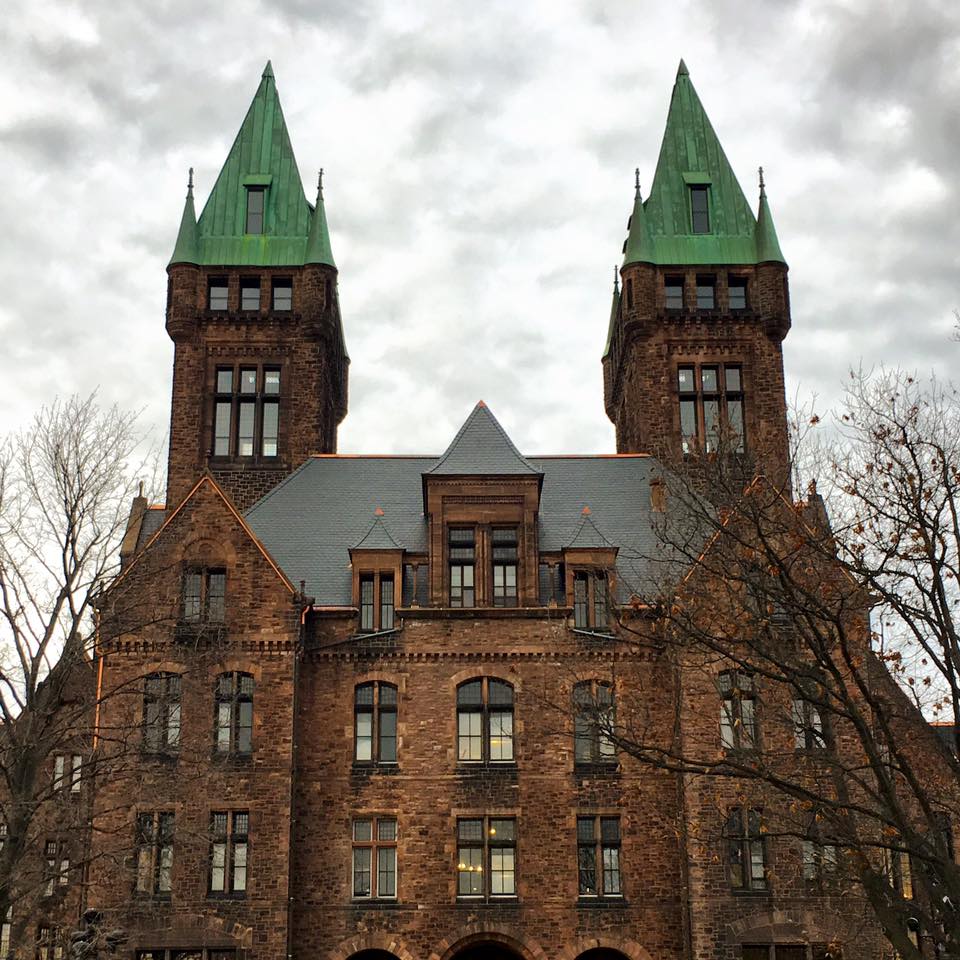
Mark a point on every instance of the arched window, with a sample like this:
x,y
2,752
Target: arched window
x,y
485,721
233,719
375,723
593,720
161,712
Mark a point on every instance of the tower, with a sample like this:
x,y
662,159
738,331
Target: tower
x,y
260,367
693,359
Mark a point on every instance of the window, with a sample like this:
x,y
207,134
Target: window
x,y
486,857
57,871
204,595
282,295
504,549
5,930
49,943
376,614
807,725
746,854
233,719
61,763
228,851
461,557
673,293
218,293
590,600
898,871
375,858
246,414
738,715
249,293
485,721
161,712
598,856
819,858
255,205
154,842
711,405
706,292
375,723
628,290
593,718
737,293
699,209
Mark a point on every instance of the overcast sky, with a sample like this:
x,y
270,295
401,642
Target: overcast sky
x,y
479,173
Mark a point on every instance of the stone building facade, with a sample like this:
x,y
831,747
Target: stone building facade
x,y
371,691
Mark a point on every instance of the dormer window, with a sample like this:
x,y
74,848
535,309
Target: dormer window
x,y
590,601
699,208
504,567
377,604
255,208
462,553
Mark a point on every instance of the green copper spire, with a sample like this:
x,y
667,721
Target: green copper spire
x,y
614,310
691,157
639,246
260,161
185,250
318,246
768,246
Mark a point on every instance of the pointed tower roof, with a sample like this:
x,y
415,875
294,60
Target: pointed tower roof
x,y
318,245
614,310
691,155
261,158
587,536
186,249
482,447
378,536
638,247
768,246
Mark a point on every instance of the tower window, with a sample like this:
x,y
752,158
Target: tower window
x,y
246,416
737,293
706,292
250,293
711,407
462,552
505,567
282,295
673,293
700,209
255,206
218,293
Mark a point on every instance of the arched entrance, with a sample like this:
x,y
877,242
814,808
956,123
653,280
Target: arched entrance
x,y
487,950
602,953
373,955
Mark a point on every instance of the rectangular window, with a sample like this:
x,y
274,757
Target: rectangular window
x,y
486,857
255,207
590,600
386,602
711,407
706,293
250,293
699,209
819,860
375,858
593,722
76,773
807,725
366,602
6,928
504,549
154,857
59,765
245,429
246,412
673,293
204,596
598,856
738,715
218,294
461,551
737,293
271,425
161,713
746,852
49,943
581,587
229,846
282,295
375,723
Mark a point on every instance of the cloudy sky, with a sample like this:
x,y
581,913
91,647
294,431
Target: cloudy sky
x,y
479,173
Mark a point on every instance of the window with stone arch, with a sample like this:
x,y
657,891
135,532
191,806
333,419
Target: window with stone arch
x,y
485,721
375,723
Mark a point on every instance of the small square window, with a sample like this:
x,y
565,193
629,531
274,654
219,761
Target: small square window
x,y
271,381
255,207
217,294
708,376
248,381
250,293
282,295
225,381
737,293
685,382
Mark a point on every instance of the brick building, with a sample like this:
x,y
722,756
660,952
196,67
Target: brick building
x,y
370,689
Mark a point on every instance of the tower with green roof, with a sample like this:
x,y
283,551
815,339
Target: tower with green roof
x,y
693,358
260,365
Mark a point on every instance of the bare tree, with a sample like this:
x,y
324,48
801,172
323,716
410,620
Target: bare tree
x,y
787,698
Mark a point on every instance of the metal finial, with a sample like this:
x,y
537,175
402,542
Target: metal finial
x,y
636,180
616,278
762,185
140,489
320,183
190,183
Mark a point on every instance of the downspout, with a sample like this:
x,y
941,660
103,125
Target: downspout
x,y
294,760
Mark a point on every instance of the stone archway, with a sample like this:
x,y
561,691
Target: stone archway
x,y
479,942
375,946
604,948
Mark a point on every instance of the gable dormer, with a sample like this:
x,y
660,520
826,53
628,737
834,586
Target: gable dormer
x,y
481,500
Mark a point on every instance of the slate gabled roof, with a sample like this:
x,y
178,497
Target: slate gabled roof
x,y
481,447
587,535
378,537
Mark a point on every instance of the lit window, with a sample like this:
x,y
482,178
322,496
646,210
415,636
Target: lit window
x,y
204,596
485,721
246,415
898,871
711,407
375,723
234,713
218,293
282,295
375,858
461,557
593,723
598,856
504,549
154,857
746,851
228,851
161,712
250,293
255,206
700,209
738,713
486,857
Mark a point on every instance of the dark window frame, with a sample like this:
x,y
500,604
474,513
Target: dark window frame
x,y
247,284
242,416
809,726
599,865
218,294
154,857
738,304
699,198
591,745
377,598
485,719
706,292
739,727
281,304
505,563
378,849
487,845
672,301
203,595
162,712
711,401
233,713
462,565
744,839
375,719
591,599
255,213
229,854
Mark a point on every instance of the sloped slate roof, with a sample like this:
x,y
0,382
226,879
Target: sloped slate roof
x,y
378,537
310,521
